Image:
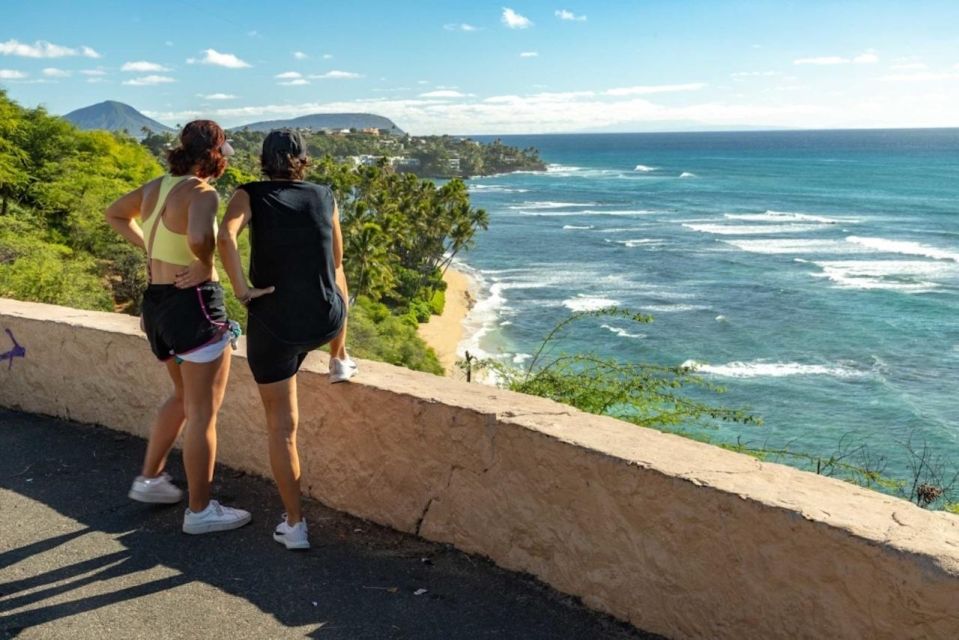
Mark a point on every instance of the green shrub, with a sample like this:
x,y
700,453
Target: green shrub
x,y
438,303
376,334
33,270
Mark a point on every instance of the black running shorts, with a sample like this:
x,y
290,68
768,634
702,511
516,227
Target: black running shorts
x,y
178,321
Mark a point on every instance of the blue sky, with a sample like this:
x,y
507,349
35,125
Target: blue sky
x,y
496,67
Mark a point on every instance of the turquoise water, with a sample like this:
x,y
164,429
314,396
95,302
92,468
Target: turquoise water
x,y
813,274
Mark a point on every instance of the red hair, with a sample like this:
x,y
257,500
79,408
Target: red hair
x,y
199,147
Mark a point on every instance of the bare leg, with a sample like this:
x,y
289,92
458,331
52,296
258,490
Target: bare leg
x,y
203,388
166,426
282,416
338,344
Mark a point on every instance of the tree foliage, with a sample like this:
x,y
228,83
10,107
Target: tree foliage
x,y
55,182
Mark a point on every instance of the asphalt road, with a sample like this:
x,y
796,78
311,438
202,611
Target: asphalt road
x,y
79,560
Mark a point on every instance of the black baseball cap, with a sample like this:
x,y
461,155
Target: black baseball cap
x,y
284,142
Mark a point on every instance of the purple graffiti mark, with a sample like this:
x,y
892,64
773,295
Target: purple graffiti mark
x,y
17,351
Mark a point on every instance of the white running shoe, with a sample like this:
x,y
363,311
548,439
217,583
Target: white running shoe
x,y
215,517
157,490
294,537
342,370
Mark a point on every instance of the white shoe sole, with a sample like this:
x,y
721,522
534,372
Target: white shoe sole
x,y
212,527
343,377
149,498
291,545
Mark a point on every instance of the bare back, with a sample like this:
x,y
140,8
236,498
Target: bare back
x,y
175,216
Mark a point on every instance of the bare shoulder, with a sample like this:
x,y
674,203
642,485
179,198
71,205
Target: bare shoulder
x,y
202,192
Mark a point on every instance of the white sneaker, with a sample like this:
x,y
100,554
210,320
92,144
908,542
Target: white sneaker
x,y
294,537
157,490
215,517
342,370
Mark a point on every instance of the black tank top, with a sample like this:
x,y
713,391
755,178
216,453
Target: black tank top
x,y
292,249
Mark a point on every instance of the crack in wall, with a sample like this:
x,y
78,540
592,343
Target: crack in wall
x,y
434,498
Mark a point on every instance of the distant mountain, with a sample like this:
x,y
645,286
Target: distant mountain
x,y
115,116
319,121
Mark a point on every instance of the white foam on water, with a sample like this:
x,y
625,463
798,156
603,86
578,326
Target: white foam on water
x,y
773,246
672,308
520,358
623,333
483,317
622,229
641,242
495,188
547,204
783,216
588,212
572,227
620,212
763,369
570,171
753,230
905,247
556,167
907,276
589,303
642,168
687,174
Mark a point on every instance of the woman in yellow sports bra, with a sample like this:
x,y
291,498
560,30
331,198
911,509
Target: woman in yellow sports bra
x,y
184,318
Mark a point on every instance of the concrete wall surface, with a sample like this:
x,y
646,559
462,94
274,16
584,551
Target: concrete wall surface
x,y
678,537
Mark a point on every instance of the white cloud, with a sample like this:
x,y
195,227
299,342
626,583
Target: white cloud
x,y
443,93
867,57
217,96
327,56
538,113
12,74
53,72
529,54
460,27
214,57
93,72
337,75
168,43
96,80
146,81
755,74
822,60
297,82
288,75
299,55
514,20
142,66
909,66
563,14
656,88
44,49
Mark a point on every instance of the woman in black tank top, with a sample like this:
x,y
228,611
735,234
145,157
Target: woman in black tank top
x,y
297,301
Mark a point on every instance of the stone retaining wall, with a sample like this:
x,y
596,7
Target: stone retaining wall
x,y
678,537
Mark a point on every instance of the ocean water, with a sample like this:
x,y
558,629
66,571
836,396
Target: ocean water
x,y
815,275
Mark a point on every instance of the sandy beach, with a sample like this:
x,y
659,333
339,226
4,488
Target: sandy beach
x,y
445,332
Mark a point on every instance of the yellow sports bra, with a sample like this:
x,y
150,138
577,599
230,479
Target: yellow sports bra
x,y
166,245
